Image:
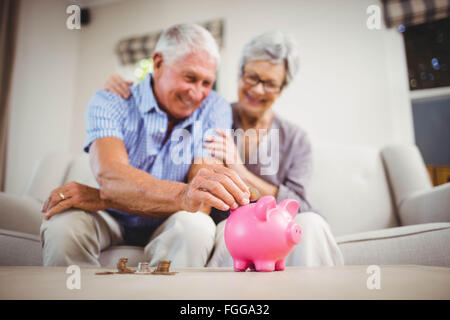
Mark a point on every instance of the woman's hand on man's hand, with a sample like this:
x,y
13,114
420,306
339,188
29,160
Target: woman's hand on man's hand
x,y
222,147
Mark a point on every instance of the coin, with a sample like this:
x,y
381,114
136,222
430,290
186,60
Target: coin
x,y
144,267
254,194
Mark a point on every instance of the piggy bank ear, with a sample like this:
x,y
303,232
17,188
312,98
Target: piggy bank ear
x,y
263,205
291,206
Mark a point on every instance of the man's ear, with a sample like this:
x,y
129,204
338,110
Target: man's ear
x,y
158,62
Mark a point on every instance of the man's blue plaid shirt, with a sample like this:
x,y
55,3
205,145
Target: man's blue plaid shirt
x,y
142,126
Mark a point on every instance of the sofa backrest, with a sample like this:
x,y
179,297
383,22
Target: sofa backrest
x,y
49,174
80,171
56,169
349,187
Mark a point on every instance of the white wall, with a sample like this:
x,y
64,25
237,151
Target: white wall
x,y
43,88
352,86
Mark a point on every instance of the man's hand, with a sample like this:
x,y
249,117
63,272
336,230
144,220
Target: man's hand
x,y
116,84
215,186
73,195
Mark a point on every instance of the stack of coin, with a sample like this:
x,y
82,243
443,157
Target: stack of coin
x,y
122,266
163,268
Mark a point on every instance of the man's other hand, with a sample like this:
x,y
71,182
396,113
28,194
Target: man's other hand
x,y
73,195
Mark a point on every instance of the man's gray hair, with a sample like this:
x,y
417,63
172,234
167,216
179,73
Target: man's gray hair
x,y
182,39
275,46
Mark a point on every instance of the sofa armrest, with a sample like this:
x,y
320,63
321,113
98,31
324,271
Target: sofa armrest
x,y
426,206
20,213
423,244
20,249
406,171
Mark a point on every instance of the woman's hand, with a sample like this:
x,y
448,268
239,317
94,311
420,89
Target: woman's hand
x,y
222,147
73,195
116,84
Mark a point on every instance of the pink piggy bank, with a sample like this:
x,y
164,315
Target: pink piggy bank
x,y
260,235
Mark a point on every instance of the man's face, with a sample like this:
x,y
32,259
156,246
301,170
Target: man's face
x,y
181,87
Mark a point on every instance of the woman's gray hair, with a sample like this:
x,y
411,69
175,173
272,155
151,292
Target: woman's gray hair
x,y
182,39
275,46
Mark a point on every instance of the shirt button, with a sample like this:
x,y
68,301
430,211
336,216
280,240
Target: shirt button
x,y
162,130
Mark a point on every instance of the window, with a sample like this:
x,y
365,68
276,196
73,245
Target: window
x,y
428,54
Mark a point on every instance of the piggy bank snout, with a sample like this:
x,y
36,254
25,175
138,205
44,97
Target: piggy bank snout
x,y
294,233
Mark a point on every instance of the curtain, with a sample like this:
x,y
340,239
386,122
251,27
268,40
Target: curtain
x,y
413,12
134,49
9,12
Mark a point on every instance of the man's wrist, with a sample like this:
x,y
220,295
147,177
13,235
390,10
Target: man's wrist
x,y
241,170
180,197
238,167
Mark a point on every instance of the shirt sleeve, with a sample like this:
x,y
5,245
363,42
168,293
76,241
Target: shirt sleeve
x,y
104,117
219,116
299,173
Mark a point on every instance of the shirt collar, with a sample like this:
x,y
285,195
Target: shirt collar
x,y
148,102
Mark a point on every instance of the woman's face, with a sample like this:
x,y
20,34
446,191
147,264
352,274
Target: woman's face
x,y
254,96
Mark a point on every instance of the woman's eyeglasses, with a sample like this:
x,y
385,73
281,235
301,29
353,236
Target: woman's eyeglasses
x,y
254,80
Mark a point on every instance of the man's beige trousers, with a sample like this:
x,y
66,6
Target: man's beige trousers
x,y
77,237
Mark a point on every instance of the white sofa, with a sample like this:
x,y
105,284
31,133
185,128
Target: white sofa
x,y
380,205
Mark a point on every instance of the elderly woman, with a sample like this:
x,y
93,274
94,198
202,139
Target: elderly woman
x,y
269,63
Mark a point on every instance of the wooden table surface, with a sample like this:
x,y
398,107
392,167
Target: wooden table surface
x,y
348,282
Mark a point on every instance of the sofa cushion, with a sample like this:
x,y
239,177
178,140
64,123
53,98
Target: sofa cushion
x,y
424,244
349,188
20,249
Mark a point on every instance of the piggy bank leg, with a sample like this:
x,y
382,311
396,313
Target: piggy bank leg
x,y
265,265
240,265
280,265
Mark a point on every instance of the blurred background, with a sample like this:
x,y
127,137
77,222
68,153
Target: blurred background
x,y
371,72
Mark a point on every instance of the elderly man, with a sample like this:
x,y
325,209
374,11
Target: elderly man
x,y
147,196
